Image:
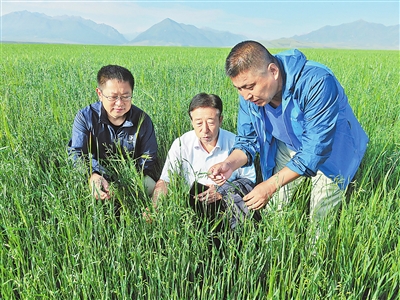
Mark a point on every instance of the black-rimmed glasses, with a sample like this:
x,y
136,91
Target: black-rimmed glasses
x,y
115,98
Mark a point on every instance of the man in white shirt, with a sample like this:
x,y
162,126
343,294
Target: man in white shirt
x,y
192,154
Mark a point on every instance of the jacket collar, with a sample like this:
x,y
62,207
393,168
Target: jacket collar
x,y
291,63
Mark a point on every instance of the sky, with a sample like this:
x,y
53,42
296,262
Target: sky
x,y
262,20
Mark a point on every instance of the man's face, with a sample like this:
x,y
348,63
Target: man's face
x,y
258,87
206,122
115,109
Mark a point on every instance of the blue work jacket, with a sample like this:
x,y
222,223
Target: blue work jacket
x,y
92,133
321,125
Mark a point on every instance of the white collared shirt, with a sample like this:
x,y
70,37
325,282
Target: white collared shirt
x,y
188,157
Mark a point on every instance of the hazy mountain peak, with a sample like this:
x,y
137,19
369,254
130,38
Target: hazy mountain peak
x,y
357,35
168,20
170,33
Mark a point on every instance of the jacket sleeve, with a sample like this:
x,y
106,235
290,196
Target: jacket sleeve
x,y
79,143
146,153
321,110
246,138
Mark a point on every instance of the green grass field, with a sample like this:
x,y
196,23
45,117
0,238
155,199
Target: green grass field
x,y
57,242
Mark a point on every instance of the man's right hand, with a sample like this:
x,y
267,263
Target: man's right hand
x,y
220,172
100,187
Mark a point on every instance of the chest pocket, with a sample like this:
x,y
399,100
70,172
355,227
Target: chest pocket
x,y
296,121
127,141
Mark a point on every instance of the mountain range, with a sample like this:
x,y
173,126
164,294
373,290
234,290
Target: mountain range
x,y
31,27
171,33
24,26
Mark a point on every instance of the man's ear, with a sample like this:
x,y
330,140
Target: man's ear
x,y
274,69
98,91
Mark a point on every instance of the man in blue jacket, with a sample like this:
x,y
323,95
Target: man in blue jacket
x,y
295,114
112,127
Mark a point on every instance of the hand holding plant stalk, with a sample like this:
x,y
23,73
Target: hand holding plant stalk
x,y
100,187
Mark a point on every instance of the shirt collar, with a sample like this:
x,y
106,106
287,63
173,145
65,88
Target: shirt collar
x,y
218,145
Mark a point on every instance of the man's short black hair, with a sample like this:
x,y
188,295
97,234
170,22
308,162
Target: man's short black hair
x,y
248,55
114,72
205,100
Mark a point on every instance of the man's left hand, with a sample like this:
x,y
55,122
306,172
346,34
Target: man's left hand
x,y
211,195
260,195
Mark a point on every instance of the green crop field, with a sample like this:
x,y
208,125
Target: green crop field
x,y
57,242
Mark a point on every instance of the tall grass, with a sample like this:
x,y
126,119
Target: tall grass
x,y
57,242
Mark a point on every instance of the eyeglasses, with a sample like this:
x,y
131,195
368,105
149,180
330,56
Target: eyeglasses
x,y
115,98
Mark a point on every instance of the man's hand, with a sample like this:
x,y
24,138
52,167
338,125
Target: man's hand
x,y
147,215
220,172
264,191
260,195
100,187
160,190
211,195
